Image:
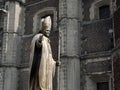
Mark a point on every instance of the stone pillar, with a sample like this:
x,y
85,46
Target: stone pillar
x,y
11,44
68,28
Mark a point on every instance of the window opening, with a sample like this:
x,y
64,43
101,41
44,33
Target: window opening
x,y
104,12
102,86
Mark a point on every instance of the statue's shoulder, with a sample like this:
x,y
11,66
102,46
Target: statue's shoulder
x,y
36,37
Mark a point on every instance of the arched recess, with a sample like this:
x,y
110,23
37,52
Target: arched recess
x,y
54,36
42,13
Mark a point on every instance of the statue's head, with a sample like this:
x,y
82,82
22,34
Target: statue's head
x,y
46,25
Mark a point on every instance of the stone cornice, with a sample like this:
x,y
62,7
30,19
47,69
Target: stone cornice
x,y
28,4
96,55
70,56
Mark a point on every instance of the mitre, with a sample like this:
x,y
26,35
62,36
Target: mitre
x,y
46,23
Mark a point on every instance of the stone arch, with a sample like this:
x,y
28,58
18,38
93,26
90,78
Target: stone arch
x,y
43,12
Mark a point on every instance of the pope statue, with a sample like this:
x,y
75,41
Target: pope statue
x,y
41,61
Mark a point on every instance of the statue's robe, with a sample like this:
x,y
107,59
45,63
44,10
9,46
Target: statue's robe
x,y
42,65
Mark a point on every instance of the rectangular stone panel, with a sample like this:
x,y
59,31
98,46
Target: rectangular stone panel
x,y
100,66
11,48
96,36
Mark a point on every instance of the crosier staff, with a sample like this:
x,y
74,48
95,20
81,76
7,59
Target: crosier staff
x,y
58,64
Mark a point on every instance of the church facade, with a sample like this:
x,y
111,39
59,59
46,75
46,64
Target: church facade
x,y
85,36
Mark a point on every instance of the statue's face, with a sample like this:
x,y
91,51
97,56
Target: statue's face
x,y
46,26
46,32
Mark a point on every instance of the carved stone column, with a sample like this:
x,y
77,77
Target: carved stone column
x,y
68,27
11,44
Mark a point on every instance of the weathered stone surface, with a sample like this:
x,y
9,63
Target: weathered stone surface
x,y
72,8
13,28
72,37
63,34
99,66
23,79
10,49
62,9
96,36
25,55
10,79
1,78
69,74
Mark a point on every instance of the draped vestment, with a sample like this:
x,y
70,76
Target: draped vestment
x,y
42,65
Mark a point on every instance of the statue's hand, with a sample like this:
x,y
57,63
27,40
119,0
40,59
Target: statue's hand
x,y
40,38
38,42
58,63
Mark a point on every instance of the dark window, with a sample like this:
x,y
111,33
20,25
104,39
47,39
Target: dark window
x,y
104,12
103,86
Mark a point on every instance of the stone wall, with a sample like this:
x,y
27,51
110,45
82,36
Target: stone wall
x,y
94,70
96,44
96,36
99,66
23,79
